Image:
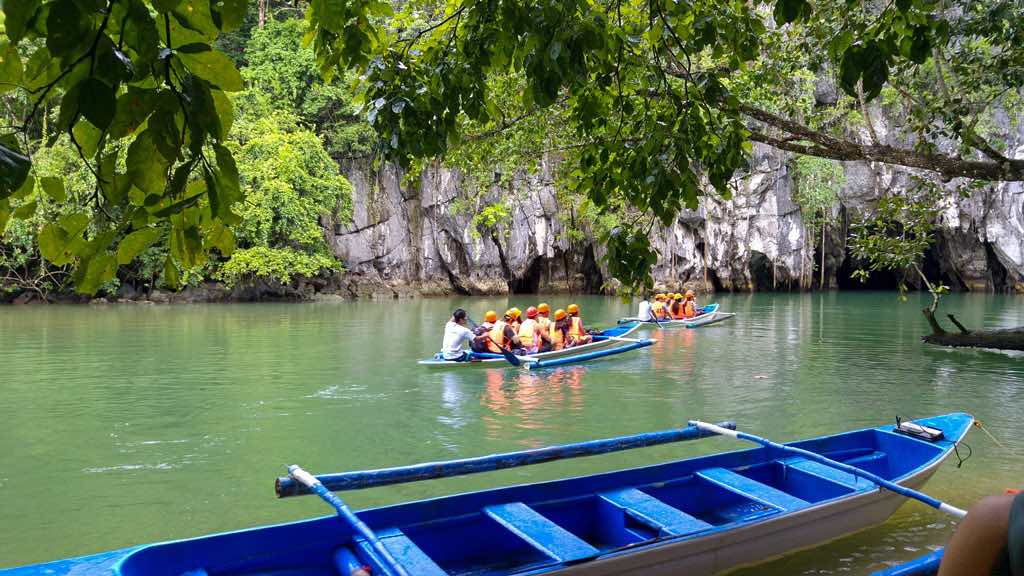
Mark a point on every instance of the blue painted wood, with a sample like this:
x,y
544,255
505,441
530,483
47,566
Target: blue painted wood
x,y
349,517
590,355
541,533
654,512
458,536
827,472
285,486
926,565
408,554
752,489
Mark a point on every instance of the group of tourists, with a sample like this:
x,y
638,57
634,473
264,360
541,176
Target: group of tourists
x,y
670,306
539,331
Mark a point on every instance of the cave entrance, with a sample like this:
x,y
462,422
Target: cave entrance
x,y
762,273
593,279
997,272
529,282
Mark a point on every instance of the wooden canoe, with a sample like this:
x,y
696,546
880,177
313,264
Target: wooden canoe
x,y
605,340
709,316
696,516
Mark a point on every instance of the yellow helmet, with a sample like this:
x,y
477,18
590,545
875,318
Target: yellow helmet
x,y
659,296
543,308
516,312
572,309
559,314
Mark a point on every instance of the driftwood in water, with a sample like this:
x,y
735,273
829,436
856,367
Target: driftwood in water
x,y
1001,339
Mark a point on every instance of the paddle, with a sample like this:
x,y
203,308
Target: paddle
x,y
509,356
311,482
814,456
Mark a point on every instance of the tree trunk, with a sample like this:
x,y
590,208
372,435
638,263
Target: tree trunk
x,y
262,10
1001,339
821,283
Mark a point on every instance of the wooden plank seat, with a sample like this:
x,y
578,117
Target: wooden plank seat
x,y
654,512
752,489
539,532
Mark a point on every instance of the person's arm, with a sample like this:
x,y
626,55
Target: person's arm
x,y
979,540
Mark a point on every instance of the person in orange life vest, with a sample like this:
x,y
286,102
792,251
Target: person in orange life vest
x,y
481,344
577,335
660,307
517,317
559,330
503,335
676,308
531,336
690,305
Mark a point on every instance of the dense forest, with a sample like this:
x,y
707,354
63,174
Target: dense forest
x,y
168,143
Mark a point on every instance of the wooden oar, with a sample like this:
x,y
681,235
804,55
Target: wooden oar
x,y
814,456
311,482
288,486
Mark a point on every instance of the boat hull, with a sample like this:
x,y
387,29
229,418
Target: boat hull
x,y
543,356
758,543
710,316
715,513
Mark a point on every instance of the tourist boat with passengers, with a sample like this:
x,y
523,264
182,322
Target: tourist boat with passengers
x,y
709,315
693,516
607,342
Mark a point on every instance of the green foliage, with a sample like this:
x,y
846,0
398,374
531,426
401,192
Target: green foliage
x,y
279,264
490,217
284,73
818,182
898,234
125,74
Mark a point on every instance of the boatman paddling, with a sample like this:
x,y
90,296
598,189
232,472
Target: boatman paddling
x,y
455,334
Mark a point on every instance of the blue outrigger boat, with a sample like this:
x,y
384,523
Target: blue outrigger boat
x,y
607,342
709,315
695,516
926,565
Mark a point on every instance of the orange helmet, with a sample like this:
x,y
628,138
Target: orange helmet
x,y
543,308
531,312
690,294
572,309
559,314
491,316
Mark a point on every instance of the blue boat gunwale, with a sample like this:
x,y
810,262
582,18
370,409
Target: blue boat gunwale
x,y
755,456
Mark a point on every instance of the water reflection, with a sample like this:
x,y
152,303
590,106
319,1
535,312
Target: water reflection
x,y
525,399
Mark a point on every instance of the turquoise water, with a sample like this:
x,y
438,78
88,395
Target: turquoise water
x,y
130,424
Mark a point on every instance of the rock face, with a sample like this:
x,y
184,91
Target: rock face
x,y
423,239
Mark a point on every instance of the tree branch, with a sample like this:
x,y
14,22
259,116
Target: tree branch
x,y
826,146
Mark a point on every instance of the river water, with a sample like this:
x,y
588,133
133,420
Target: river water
x,y
131,424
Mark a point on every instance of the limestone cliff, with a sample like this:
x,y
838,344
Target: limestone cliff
x,y
421,239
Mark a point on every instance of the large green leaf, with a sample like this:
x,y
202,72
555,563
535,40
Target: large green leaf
x,y
17,14
211,65
170,274
14,166
132,109
195,15
54,188
787,11
147,167
134,243
53,240
94,272
87,137
68,29
10,67
229,14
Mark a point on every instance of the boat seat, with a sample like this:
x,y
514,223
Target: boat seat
x,y
539,532
654,512
827,472
752,489
405,552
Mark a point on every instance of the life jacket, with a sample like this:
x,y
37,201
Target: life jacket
x,y
544,322
497,335
689,309
557,337
528,333
576,327
677,311
659,309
